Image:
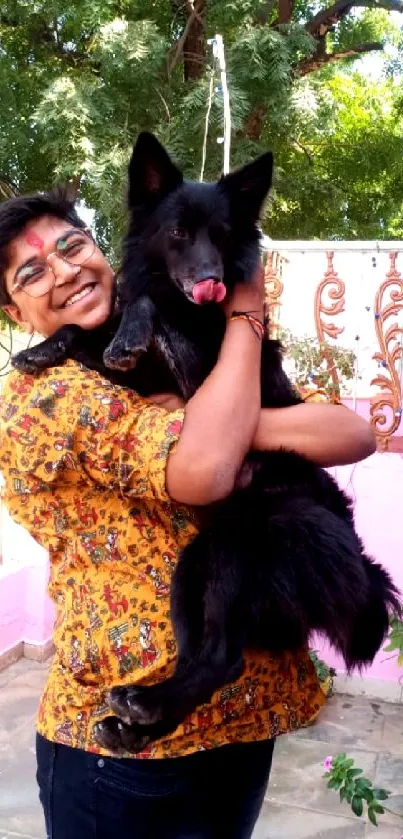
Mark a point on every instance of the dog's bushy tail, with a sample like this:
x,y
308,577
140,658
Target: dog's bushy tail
x,y
372,621
313,576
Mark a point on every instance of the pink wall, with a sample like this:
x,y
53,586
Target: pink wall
x,y
26,612
12,618
39,609
377,485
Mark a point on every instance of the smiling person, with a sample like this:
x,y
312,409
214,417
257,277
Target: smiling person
x,y
106,480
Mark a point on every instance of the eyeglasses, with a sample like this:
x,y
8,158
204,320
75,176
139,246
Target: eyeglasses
x,y
75,248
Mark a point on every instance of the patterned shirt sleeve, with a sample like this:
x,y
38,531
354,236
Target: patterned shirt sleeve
x,y
70,424
316,395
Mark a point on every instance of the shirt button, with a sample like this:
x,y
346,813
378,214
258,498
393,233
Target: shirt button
x,y
101,763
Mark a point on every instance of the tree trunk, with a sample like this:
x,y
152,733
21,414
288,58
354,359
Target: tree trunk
x,y
254,122
285,10
194,48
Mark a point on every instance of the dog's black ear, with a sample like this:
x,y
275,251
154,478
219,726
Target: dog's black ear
x,y
251,183
152,174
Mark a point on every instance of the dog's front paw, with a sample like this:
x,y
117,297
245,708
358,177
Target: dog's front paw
x,y
116,736
34,359
119,356
135,705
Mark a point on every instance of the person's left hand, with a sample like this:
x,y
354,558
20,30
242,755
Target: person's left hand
x,y
169,401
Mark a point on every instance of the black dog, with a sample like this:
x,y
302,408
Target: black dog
x,y
279,559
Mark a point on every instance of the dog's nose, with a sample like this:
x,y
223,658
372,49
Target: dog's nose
x,y
210,271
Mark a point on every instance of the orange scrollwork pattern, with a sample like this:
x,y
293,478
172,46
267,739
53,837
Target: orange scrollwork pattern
x,y
386,406
274,288
335,288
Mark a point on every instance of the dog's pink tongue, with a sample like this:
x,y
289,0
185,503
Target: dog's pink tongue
x,y
208,291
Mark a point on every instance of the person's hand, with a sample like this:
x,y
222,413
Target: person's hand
x,y
247,297
169,401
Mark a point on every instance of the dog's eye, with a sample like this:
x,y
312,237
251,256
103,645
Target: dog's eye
x,y
178,233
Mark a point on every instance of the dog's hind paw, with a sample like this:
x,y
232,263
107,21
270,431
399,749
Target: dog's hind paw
x,y
116,736
132,705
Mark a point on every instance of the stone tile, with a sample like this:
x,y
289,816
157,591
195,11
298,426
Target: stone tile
x,y
29,671
39,652
382,832
20,666
11,656
392,737
298,804
389,775
279,822
23,667
27,825
15,740
17,708
6,835
20,813
350,722
297,776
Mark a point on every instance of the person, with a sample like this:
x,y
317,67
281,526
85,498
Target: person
x,y
110,484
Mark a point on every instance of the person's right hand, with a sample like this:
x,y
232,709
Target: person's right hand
x,y
248,297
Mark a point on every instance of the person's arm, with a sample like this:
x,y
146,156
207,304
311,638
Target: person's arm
x,y
221,418
68,424
330,435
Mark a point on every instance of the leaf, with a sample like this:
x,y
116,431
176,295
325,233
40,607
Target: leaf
x,y
372,817
377,808
381,794
348,763
333,783
367,794
356,806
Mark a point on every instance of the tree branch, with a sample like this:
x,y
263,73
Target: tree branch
x,y
318,61
7,188
326,18
190,6
180,48
389,5
306,151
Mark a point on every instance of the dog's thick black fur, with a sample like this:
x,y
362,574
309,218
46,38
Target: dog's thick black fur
x,y
279,559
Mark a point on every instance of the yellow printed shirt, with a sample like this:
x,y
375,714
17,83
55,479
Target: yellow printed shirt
x,y
84,468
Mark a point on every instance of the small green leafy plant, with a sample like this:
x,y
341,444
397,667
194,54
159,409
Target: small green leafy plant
x,y
396,640
342,775
324,673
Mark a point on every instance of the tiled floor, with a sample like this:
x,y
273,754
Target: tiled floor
x,y
297,806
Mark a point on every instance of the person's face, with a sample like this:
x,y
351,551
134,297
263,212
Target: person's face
x,y
92,281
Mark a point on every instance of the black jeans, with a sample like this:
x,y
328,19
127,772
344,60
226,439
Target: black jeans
x,y
215,794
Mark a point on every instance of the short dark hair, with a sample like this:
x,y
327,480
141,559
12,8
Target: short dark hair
x,y
17,212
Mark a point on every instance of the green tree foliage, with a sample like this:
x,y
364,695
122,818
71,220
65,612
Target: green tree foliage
x,y
78,81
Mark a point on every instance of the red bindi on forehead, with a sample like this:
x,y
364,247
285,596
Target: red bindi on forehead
x,y
34,240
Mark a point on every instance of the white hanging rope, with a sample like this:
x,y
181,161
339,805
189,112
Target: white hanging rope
x,y
209,104
219,64
219,53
